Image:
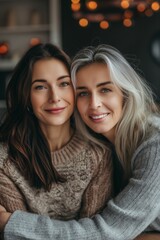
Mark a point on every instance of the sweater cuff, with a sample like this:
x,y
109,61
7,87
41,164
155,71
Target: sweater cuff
x,y
23,225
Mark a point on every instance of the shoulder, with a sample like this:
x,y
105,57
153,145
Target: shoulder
x,y
154,120
149,149
152,139
3,154
98,148
100,153
80,146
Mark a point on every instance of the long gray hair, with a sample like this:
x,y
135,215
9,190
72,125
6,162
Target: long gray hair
x,y
138,99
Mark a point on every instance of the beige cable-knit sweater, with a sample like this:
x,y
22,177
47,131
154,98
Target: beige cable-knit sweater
x,y
88,170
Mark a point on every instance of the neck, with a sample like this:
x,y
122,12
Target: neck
x,y
110,137
58,136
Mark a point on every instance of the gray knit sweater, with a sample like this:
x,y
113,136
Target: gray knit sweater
x,y
134,210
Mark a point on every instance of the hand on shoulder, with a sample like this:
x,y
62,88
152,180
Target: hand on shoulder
x,y
4,217
148,236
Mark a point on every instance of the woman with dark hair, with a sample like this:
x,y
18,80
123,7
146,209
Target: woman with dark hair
x,y
46,167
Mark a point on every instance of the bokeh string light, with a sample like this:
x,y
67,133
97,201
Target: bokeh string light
x,y
104,12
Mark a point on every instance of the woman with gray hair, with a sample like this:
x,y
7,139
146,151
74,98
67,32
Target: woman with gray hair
x,y
113,101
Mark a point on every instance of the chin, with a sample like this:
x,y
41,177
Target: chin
x,y
99,131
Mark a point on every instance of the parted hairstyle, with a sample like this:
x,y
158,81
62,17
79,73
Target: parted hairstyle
x,y
27,146
138,103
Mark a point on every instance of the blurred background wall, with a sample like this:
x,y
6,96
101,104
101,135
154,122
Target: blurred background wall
x,y
24,23
135,41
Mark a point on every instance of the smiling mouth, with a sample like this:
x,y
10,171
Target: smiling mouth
x,y
98,117
55,110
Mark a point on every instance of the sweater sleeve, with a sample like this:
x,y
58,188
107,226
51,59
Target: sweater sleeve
x,y
125,217
99,190
10,196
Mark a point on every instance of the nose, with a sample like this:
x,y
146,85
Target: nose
x,y
54,96
95,102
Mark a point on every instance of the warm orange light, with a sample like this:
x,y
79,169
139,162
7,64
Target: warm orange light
x,y
83,22
4,48
75,7
92,5
155,6
124,4
34,41
127,22
128,14
104,24
141,7
149,12
75,1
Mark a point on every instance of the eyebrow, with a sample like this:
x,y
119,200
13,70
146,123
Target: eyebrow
x,y
98,85
43,80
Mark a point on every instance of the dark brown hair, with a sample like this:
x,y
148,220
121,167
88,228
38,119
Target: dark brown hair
x,y
28,148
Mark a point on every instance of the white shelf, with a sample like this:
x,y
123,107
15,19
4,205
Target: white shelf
x,y
24,29
7,64
18,37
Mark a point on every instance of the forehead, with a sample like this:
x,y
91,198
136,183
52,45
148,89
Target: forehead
x,y
48,62
92,73
47,68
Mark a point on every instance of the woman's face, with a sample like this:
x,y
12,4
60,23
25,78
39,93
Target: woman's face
x,y
52,96
99,101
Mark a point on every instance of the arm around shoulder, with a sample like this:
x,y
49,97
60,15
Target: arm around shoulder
x,y
124,218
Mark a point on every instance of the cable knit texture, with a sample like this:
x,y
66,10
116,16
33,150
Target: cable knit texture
x,y
134,210
88,170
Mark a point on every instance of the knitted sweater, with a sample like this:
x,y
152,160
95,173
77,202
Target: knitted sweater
x,y
87,169
134,210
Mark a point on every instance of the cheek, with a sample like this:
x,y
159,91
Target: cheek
x,y
120,103
79,106
115,102
82,109
35,101
69,98
118,106
72,97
